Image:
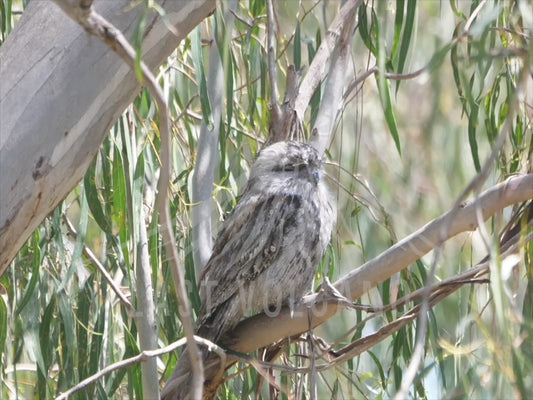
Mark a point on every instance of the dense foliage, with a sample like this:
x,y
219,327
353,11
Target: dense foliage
x,y
410,136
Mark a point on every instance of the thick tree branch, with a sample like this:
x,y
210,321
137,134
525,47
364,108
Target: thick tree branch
x,y
262,330
43,157
204,168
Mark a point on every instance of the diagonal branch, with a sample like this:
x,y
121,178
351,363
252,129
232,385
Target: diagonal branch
x,y
257,332
439,291
203,176
139,358
96,262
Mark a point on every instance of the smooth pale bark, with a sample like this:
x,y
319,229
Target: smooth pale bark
x,y
60,92
262,330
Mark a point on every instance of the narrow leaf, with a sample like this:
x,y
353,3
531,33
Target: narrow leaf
x,y
384,94
29,291
472,127
89,182
297,48
3,326
198,61
406,37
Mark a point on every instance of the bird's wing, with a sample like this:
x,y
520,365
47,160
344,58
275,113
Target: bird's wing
x,y
248,243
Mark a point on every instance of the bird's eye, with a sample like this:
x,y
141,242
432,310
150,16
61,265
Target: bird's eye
x,y
285,168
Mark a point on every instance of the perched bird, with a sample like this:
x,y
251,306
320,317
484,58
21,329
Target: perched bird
x,y
269,248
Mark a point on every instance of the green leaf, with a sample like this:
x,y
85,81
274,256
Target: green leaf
x,y
198,61
384,95
224,133
29,290
96,342
315,100
398,23
138,36
47,321
377,362
137,191
119,196
437,59
364,30
69,322
80,242
84,301
93,200
190,276
6,8
3,326
472,128
297,48
456,11
406,37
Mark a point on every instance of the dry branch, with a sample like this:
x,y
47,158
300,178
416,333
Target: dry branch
x,y
317,69
511,241
141,357
262,330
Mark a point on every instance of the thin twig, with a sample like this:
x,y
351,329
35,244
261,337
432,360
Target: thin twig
x,y
96,262
141,357
95,24
474,186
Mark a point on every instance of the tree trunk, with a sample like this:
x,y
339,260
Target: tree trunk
x,y
61,91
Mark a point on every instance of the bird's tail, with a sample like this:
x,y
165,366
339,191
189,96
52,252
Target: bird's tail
x,y
179,385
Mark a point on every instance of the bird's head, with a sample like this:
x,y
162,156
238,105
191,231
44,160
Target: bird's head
x,y
287,161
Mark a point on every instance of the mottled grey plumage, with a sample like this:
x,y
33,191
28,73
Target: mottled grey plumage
x,y
269,247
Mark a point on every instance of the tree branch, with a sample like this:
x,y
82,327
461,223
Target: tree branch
x,y
331,100
262,330
317,69
206,157
203,175
509,246
82,12
141,357
59,64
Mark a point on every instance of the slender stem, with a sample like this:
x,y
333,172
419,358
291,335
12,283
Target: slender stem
x,y
96,25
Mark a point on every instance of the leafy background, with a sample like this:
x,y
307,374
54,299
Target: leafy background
x,y
402,151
